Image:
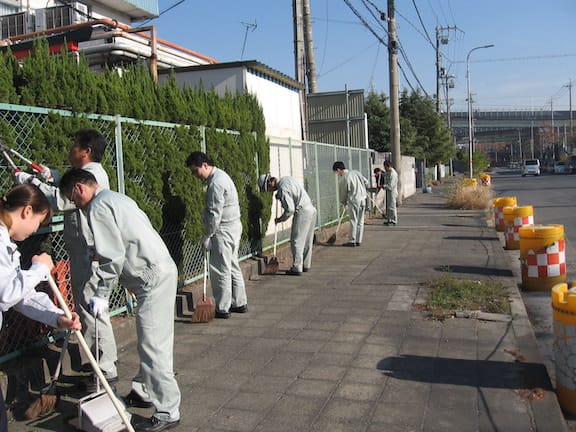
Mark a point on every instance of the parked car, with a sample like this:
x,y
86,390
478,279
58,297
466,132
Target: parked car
x,y
531,166
560,167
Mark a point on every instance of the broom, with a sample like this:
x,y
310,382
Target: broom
x,y
205,309
121,410
48,397
271,263
332,238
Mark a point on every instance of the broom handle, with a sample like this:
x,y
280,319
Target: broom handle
x,y
61,358
340,220
90,356
275,230
205,275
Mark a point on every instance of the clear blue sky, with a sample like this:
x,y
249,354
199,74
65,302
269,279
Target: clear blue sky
x,y
533,60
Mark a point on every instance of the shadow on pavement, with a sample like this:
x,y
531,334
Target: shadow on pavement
x,y
479,373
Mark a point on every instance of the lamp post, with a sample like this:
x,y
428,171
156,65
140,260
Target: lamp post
x,y
470,138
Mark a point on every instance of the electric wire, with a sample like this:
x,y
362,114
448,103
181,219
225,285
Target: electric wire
x,y
422,23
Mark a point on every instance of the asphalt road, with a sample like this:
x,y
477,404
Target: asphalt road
x,y
553,197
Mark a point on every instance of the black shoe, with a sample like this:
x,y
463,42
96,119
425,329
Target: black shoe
x,y
90,383
350,244
305,270
389,223
222,314
293,273
239,309
357,244
154,424
133,399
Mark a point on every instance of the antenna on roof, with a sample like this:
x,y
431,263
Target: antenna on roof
x,y
248,26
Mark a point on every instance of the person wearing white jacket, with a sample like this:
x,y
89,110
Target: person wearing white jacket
x,y
22,210
295,202
222,235
130,251
391,187
353,193
86,152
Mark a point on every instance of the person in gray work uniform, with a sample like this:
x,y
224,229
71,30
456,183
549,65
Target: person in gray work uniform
x,y
129,250
295,202
86,152
222,234
353,193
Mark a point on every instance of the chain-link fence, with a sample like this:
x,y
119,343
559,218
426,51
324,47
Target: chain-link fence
x,y
309,162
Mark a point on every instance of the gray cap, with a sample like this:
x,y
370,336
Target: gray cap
x,y
263,182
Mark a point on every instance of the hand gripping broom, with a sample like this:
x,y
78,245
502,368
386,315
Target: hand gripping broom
x,y
332,238
117,404
205,309
271,263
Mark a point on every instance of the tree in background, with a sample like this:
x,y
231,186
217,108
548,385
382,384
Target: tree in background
x,y
423,133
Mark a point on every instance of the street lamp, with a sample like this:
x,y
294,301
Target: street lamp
x,y
470,138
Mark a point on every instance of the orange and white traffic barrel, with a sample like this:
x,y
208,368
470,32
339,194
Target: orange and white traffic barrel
x,y
542,256
514,219
498,205
564,313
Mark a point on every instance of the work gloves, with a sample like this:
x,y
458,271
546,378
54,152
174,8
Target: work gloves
x,y
207,243
98,306
23,177
46,175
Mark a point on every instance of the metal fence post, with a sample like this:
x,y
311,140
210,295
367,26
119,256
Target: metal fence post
x,y
119,156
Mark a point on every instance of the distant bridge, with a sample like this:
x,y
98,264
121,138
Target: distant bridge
x,y
514,135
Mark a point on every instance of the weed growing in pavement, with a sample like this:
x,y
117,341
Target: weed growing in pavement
x,y
462,196
446,295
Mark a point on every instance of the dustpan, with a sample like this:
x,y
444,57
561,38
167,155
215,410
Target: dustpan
x,y
96,411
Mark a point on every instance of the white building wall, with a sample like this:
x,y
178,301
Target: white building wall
x,y
281,106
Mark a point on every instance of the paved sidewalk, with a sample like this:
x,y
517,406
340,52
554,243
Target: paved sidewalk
x,y
343,347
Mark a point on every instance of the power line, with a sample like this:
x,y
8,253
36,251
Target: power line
x,y
422,23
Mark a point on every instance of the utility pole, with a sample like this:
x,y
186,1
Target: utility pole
x,y
394,95
569,85
309,48
441,39
300,61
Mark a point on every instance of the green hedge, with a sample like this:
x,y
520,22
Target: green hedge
x,y
155,172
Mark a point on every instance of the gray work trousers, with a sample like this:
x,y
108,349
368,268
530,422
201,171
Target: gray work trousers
x,y
81,268
226,276
391,206
302,238
356,216
155,381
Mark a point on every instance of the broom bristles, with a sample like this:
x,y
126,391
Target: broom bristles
x,y
41,406
270,265
204,311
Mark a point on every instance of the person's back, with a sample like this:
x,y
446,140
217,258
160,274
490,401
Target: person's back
x,y
222,196
131,235
356,184
289,188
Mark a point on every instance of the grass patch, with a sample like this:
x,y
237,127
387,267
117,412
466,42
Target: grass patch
x,y
464,197
446,295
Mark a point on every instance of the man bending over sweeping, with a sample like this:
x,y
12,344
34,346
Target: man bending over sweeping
x,y
129,250
295,202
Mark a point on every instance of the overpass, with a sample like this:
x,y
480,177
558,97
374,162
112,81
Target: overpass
x,y
514,135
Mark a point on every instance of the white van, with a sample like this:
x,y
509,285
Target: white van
x,y
531,166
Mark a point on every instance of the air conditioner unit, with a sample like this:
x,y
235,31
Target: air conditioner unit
x,y
61,16
79,12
